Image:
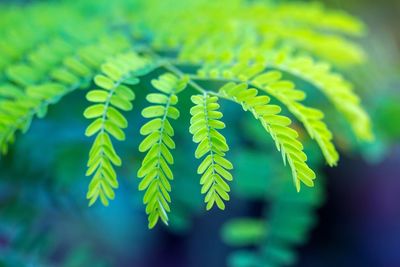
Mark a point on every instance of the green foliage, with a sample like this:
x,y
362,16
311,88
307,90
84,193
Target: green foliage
x,y
205,123
285,92
311,118
255,53
269,239
335,87
286,224
277,126
244,232
155,171
111,96
33,88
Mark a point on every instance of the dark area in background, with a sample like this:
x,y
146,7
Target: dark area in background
x,y
358,225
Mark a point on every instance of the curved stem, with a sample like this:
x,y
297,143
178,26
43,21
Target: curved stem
x,y
167,64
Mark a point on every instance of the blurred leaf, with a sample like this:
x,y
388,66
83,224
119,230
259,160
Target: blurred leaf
x,y
244,231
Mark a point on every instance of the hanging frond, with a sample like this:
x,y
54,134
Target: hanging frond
x,y
277,126
76,70
110,97
155,170
284,91
311,118
284,226
205,123
334,86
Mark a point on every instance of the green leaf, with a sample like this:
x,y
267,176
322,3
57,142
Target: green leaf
x,y
159,99
116,117
151,126
121,103
112,71
94,127
155,170
94,111
97,96
153,111
104,82
131,81
125,93
285,137
109,122
204,125
114,130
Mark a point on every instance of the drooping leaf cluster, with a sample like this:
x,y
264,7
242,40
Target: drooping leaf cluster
x,y
255,54
214,168
155,170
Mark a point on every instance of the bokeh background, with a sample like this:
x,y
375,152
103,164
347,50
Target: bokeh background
x,y
44,219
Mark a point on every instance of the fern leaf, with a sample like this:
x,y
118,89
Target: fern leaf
x,y
288,223
205,123
290,220
285,92
311,118
18,113
316,16
155,171
108,100
10,91
335,87
277,126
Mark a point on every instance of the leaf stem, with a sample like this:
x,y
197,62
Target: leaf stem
x,y
167,64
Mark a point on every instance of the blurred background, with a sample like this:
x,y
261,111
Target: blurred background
x,y
353,214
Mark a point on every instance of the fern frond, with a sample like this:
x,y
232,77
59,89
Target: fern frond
x,y
293,27
109,98
285,92
205,123
311,118
73,73
155,171
286,225
290,218
10,91
316,16
302,28
277,126
17,114
334,86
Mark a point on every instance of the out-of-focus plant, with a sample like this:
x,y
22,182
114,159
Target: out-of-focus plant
x,y
262,57
287,216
